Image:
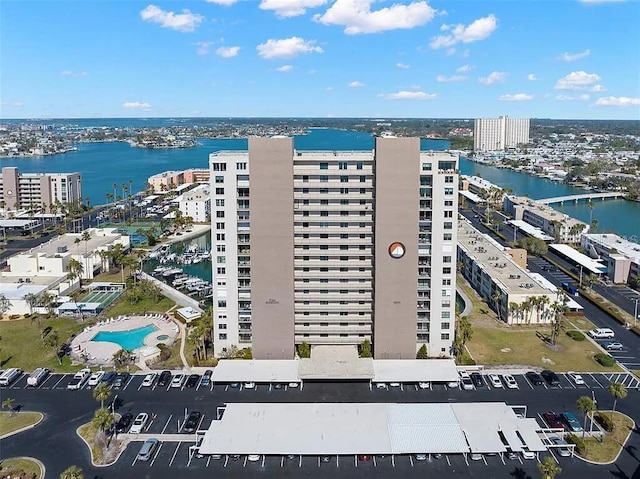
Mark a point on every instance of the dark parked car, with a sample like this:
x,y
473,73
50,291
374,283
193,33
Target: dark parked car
x,y
108,377
553,420
206,378
125,421
120,380
191,424
192,381
534,378
165,378
477,379
551,377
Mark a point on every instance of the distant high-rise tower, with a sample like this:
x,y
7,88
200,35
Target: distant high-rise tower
x,y
334,247
496,134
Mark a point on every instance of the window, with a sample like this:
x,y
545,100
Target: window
x,y
324,166
448,179
344,213
305,213
222,336
446,282
344,235
219,179
344,179
448,203
448,214
446,292
220,202
305,178
324,258
446,270
359,165
305,202
222,326
219,191
344,258
241,166
342,165
344,246
444,336
219,226
363,179
220,237
324,236
446,315
447,236
448,225
305,190
324,202
324,213
305,246
448,191
222,304
446,259
220,214
324,178
323,224
220,248
344,191
305,225
324,190
426,166
363,191
219,166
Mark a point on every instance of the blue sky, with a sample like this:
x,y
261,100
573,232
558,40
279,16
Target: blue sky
x,y
320,58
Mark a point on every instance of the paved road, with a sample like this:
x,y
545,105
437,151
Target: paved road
x,y
55,443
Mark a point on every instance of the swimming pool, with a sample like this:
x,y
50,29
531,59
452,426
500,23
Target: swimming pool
x,y
130,340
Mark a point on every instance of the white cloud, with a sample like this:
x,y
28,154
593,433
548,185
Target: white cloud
x,y
516,97
203,47
598,88
409,95
12,103
572,57
442,78
475,31
619,101
69,73
356,84
182,22
357,17
583,97
287,48
464,69
227,52
225,3
329,88
532,77
404,66
136,105
577,81
290,8
284,68
494,77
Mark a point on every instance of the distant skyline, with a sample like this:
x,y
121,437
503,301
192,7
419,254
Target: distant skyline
x,y
570,59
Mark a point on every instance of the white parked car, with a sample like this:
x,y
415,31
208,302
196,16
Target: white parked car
x,y
381,386
421,385
148,380
510,381
139,423
527,454
494,379
95,378
249,385
253,457
576,378
601,333
178,380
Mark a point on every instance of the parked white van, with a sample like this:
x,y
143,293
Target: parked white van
x,y
38,376
602,333
9,376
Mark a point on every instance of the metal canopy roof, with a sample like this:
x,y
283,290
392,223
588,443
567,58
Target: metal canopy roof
x,y
579,258
256,371
365,428
414,370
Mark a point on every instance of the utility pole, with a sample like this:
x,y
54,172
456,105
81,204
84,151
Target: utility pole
x,y
635,312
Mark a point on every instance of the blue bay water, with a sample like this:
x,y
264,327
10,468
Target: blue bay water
x,y
103,164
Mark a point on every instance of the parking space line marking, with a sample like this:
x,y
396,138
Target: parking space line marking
x,y
166,424
374,461
484,460
208,461
226,460
157,452
244,463
598,382
448,461
128,382
566,376
48,377
527,380
140,387
134,461
175,453
59,381
318,461
411,459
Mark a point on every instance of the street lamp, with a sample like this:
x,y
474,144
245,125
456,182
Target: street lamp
x,y
635,312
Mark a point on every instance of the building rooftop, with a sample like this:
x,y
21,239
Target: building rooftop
x,y
580,259
99,237
493,259
480,182
545,211
201,192
622,245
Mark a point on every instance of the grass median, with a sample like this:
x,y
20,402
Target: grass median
x,y
11,422
607,451
23,347
20,467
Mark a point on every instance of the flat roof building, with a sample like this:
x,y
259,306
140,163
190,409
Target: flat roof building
x,y
498,134
38,190
621,256
334,247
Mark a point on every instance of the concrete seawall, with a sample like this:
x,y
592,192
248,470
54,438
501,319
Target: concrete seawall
x,y
173,294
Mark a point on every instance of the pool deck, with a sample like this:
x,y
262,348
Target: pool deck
x,y
101,352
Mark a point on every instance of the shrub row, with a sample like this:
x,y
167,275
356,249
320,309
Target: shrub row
x,y
575,335
573,439
605,360
605,422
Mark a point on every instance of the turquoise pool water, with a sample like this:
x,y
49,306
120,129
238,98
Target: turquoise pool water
x,y
130,340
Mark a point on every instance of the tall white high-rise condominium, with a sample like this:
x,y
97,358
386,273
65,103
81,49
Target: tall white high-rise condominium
x,y
496,134
334,247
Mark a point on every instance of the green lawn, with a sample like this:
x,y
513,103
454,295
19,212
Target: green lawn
x,y
146,305
16,464
503,345
607,450
22,347
174,362
9,423
89,432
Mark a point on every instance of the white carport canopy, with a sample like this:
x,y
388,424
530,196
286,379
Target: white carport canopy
x,y
528,429
414,370
256,371
358,428
79,306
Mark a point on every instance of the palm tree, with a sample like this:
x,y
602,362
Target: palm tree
x,y
101,393
556,321
75,270
72,472
540,304
9,404
115,191
516,311
618,391
497,302
31,300
586,405
102,419
549,468
591,206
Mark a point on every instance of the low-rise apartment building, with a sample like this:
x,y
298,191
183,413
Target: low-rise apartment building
x,y
196,203
28,191
622,256
563,228
168,180
493,273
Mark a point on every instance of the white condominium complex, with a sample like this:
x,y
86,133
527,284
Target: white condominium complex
x,y
38,190
496,134
334,247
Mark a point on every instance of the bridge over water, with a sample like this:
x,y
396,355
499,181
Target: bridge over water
x,y
587,196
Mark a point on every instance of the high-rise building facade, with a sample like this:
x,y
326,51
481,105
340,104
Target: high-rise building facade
x,y
38,190
496,134
334,248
